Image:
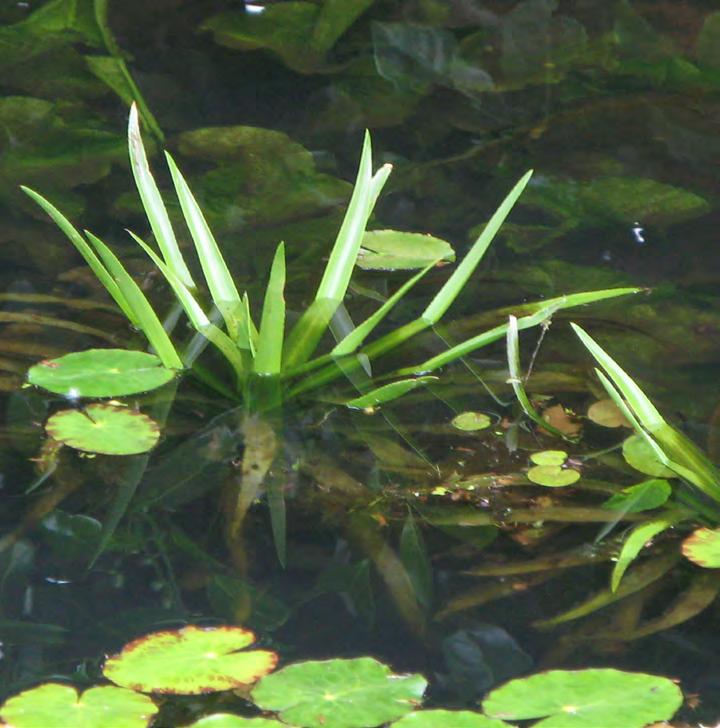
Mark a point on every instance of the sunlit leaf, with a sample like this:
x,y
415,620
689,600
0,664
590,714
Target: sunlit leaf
x,y
339,693
101,373
447,719
549,457
703,547
553,476
104,429
53,704
589,698
227,720
190,661
397,250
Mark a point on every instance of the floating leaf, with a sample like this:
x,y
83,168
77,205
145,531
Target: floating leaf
x,y
339,693
702,547
190,661
591,698
228,720
606,413
448,719
52,704
471,421
641,497
101,373
549,457
396,250
641,456
104,429
553,476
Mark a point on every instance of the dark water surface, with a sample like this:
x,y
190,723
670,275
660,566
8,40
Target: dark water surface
x,y
615,105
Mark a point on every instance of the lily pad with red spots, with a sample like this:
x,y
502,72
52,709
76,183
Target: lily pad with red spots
x,y
190,661
53,704
703,547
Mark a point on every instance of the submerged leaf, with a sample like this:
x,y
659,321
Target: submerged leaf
x,y
703,547
52,704
606,413
101,373
388,392
641,497
339,693
641,456
601,697
396,250
190,661
104,429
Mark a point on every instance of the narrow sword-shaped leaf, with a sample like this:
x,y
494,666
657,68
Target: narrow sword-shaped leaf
x,y
152,202
87,253
147,319
449,292
268,359
219,280
388,392
197,316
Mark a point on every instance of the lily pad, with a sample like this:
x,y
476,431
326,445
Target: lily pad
x,y
104,429
396,250
702,547
471,421
357,693
549,457
641,456
592,698
101,373
553,476
228,720
190,661
641,497
448,718
606,413
52,704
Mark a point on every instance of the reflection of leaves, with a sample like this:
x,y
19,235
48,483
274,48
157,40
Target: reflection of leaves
x,y
301,33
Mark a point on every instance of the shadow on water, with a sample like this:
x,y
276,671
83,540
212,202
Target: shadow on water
x,y
421,539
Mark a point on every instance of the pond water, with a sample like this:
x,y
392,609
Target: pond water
x,y
405,537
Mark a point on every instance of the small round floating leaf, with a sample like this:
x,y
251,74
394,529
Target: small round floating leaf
x,y
396,250
52,704
553,476
549,457
101,373
586,698
104,429
357,693
641,497
639,455
471,421
703,547
448,719
190,661
228,720
606,413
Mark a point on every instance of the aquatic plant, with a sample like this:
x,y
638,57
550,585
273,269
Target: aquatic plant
x,y
333,693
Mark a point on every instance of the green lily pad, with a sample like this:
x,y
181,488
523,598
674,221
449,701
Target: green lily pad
x,y
104,429
639,455
641,497
702,547
101,373
549,457
553,476
592,698
52,704
228,720
358,693
190,661
448,718
471,421
396,250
